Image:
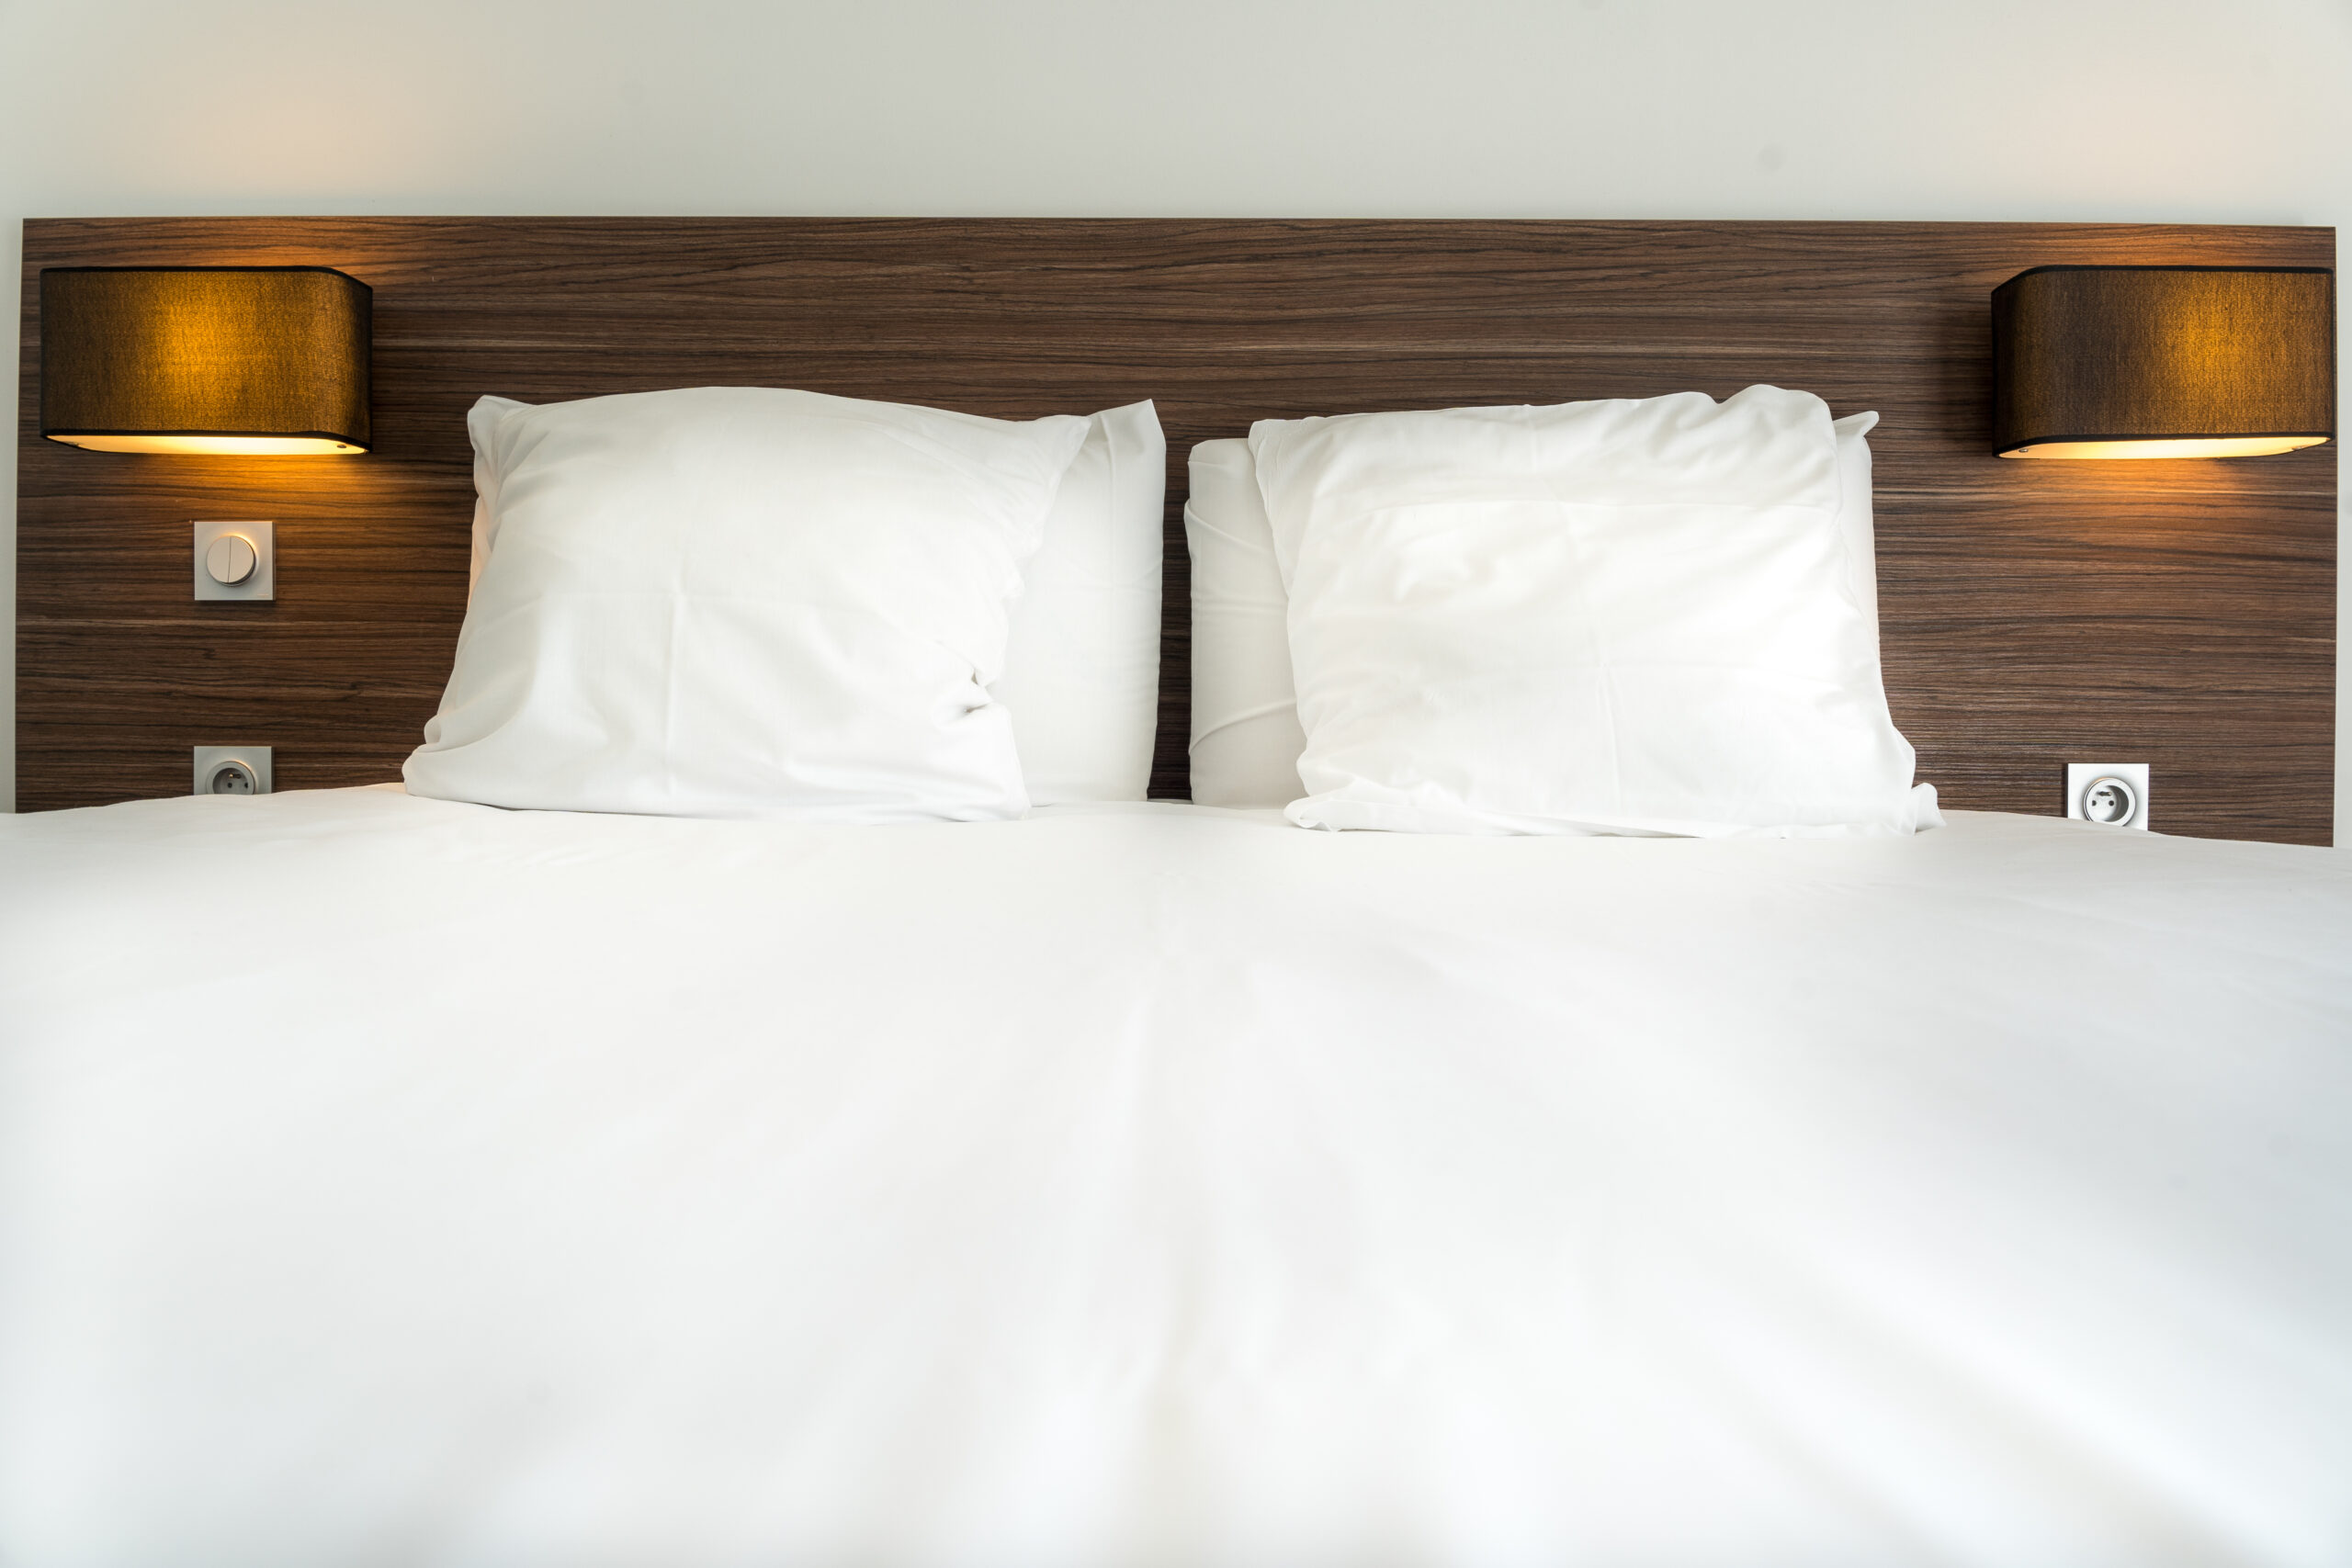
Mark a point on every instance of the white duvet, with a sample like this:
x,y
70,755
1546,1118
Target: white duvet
x,y
388,1181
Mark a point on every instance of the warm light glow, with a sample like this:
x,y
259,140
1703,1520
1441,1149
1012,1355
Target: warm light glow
x,y
2205,447
216,445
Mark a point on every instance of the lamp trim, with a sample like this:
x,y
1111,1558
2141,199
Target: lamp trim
x,y
224,434
315,266
2317,438
2153,266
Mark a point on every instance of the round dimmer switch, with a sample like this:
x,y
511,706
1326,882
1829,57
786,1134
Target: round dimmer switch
x,y
231,559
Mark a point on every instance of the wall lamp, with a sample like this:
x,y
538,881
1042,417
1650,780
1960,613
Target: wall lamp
x,y
2162,361
245,360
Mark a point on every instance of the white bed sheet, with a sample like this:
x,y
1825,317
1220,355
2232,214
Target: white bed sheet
x,y
386,1181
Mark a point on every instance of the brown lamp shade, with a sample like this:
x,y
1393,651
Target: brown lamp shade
x,y
2162,361
259,360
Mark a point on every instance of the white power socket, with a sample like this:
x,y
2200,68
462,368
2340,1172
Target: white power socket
x,y
2113,793
232,769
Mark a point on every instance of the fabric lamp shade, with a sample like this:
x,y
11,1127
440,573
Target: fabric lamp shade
x,y
2162,361
258,361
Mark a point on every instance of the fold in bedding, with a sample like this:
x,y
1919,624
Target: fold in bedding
x,y
390,1180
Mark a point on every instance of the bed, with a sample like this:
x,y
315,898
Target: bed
x,y
1159,1184
392,1179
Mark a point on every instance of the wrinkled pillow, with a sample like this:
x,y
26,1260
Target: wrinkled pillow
x,y
1622,617
743,601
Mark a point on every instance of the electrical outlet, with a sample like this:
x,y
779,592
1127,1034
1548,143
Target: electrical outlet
x,y
232,769
2113,793
236,560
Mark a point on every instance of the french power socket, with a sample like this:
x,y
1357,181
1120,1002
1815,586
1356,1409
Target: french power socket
x,y
232,769
2113,793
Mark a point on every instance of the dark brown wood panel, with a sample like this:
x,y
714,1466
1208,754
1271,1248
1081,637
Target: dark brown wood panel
x,y
2031,612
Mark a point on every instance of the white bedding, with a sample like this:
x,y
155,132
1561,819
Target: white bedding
x,y
385,1180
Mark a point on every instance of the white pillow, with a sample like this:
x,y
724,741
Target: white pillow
x,y
1614,616
1082,667
1082,661
1245,737
743,601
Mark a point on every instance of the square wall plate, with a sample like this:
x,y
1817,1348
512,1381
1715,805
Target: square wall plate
x,y
2091,795
260,583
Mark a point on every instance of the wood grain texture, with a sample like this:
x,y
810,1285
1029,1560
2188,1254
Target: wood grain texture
x,y
2183,612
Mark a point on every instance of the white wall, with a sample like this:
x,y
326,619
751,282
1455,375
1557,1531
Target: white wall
x,y
2177,110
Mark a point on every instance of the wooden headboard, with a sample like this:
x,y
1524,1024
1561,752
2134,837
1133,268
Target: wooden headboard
x,y
2033,613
